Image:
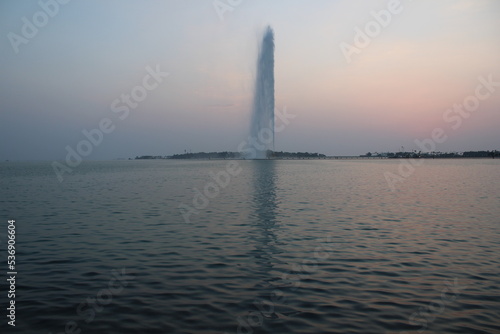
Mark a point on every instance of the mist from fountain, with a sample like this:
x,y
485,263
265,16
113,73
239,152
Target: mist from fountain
x,y
262,126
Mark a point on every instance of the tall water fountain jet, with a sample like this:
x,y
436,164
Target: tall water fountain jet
x,y
262,127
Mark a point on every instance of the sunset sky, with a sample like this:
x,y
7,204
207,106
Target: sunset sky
x,y
64,78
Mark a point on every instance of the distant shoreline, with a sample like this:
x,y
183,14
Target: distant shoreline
x,y
318,156
322,158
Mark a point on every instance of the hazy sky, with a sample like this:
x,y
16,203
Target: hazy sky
x,y
65,76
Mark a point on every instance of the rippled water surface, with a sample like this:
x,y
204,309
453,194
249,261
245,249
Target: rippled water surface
x,y
276,247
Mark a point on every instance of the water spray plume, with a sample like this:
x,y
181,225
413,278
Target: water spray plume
x,y
262,126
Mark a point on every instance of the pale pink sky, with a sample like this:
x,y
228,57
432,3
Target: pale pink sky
x,y
396,90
